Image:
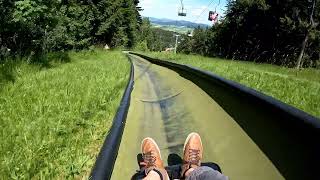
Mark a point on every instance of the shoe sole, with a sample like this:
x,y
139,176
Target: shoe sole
x,y
154,142
188,138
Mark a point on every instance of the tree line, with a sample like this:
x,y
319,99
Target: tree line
x,y
154,39
32,28
282,32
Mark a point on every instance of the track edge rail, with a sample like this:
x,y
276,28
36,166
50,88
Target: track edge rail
x,y
105,161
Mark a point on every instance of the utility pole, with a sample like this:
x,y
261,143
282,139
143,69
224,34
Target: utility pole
x,y
175,48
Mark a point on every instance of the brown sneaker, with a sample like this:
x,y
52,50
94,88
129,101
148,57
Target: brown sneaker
x,y
152,158
192,153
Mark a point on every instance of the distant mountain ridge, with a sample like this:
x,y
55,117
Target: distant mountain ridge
x,y
178,23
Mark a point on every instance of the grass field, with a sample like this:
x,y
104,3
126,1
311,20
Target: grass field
x,y
53,120
299,88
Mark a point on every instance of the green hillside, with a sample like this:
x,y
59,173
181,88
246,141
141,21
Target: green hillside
x,y
54,120
299,88
177,29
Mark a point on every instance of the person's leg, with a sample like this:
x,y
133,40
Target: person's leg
x,y
152,175
205,173
192,156
152,162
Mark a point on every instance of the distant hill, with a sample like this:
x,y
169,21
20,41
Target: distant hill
x,y
170,22
176,29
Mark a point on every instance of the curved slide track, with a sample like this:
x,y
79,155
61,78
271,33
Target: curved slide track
x,y
167,107
250,135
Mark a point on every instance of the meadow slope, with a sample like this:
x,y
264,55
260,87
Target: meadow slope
x,y
53,121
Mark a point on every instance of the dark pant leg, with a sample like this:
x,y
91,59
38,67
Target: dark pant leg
x,y
206,173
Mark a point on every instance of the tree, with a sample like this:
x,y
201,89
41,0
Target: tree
x,y
278,32
6,10
35,18
157,39
308,31
33,28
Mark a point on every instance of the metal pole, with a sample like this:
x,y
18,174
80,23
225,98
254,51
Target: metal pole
x,y
175,48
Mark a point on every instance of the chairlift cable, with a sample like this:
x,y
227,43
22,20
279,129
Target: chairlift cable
x,y
215,9
204,11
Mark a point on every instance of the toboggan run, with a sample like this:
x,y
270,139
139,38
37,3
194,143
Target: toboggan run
x,y
250,135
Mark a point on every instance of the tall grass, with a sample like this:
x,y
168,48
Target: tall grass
x,y
11,67
53,121
299,88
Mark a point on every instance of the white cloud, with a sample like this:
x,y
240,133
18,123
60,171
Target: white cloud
x,y
147,4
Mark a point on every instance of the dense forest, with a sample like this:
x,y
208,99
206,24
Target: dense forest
x,y
279,32
154,39
32,28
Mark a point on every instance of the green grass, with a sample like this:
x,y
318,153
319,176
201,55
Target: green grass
x,y
299,88
53,120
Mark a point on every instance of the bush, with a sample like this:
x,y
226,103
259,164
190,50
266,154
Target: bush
x,y
318,64
60,56
142,46
7,72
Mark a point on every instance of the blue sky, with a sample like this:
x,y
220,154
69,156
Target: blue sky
x,y
169,9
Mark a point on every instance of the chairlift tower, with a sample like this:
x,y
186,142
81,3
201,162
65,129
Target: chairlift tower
x,y
176,46
182,11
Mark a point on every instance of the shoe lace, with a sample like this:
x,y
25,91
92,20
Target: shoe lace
x,y
194,157
149,159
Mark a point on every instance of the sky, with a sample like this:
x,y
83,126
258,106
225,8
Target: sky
x,y
194,8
